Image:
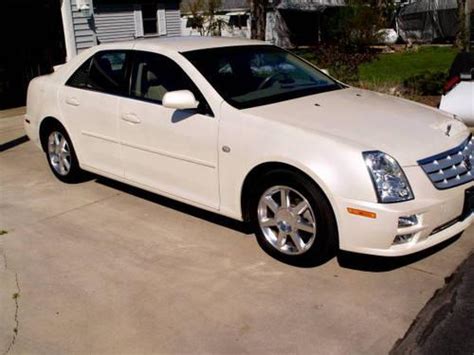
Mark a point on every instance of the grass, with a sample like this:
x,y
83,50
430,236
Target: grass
x,y
388,71
393,68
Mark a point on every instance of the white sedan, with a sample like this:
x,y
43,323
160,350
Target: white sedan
x,y
459,98
252,132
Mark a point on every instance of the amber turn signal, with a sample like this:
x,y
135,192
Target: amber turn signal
x,y
361,213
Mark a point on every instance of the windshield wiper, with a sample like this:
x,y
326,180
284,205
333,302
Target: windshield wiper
x,y
292,86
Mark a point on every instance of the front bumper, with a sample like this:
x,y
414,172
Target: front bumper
x,y
439,216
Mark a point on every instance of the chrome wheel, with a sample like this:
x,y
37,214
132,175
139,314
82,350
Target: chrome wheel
x,y
287,220
59,153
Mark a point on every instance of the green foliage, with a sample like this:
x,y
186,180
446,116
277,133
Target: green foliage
x,y
426,83
357,25
390,69
342,61
349,32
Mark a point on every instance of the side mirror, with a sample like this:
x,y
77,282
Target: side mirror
x,y
466,76
180,100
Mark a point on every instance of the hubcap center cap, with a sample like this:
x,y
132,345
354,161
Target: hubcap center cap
x,y
286,221
284,226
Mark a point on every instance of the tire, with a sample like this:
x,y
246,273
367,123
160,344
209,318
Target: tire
x,y
61,155
304,233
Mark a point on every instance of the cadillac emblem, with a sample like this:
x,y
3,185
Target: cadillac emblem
x,y
467,162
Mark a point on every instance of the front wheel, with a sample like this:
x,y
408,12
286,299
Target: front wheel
x,y
61,156
293,219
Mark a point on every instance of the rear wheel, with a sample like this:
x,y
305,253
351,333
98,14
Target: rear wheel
x,y
61,155
293,219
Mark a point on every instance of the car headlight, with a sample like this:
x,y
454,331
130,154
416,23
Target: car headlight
x,y
390,182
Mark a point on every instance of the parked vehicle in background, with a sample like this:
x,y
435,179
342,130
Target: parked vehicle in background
x,y
252,132
458,95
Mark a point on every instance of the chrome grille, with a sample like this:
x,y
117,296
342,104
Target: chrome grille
x,y
451,168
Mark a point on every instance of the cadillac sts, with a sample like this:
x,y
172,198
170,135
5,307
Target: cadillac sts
x,y
250,131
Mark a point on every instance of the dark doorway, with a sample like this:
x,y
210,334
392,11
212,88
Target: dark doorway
x,y
303,26
32,39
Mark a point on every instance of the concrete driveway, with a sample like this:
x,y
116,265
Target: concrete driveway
x,y
98,267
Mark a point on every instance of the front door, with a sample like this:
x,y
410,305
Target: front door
x,y
173,151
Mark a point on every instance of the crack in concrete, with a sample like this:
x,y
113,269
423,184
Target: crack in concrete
x,y
5,263
79,207
423,271
15,297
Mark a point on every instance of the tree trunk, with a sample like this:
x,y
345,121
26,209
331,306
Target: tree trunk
x,y
463,37
258,14
467,23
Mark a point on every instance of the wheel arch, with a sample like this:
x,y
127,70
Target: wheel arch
x,y
47,123
263,168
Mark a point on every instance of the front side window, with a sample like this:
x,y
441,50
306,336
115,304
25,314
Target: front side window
x,y
154,75
105,72
248,76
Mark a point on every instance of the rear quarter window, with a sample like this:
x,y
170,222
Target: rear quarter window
x,y
104,72
80,77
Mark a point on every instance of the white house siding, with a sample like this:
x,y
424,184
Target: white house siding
x,y
173,22
113,22
116,25
83,34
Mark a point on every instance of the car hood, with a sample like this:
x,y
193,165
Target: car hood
x,y
406,130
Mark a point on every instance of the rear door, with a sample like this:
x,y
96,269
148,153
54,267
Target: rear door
x,y
89,102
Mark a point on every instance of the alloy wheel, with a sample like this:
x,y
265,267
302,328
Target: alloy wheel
x,y
287,220
59,153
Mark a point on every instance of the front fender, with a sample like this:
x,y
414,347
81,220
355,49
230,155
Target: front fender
x,y
335,165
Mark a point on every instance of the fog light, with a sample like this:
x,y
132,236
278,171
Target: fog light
x,y
402,239
407,221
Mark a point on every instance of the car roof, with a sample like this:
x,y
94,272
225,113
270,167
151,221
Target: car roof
x,y
184,44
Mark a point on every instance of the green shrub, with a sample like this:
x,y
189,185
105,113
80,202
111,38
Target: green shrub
x,y
426,83
342,61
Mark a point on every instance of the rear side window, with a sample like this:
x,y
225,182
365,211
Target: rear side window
x,y
105,72
80,77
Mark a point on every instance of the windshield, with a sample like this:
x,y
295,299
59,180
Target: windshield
x,y
248,76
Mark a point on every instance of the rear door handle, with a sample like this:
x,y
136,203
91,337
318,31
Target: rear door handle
x,y
130,117
72,101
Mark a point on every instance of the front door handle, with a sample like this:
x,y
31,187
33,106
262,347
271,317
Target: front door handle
x,y
72,101
130,117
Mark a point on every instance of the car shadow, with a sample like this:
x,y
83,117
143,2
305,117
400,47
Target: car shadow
x,y
13,143
348,260
373,263
178,206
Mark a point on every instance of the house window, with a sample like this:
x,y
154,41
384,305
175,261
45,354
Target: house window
x,y
238,21
150,21
153,19
192,23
